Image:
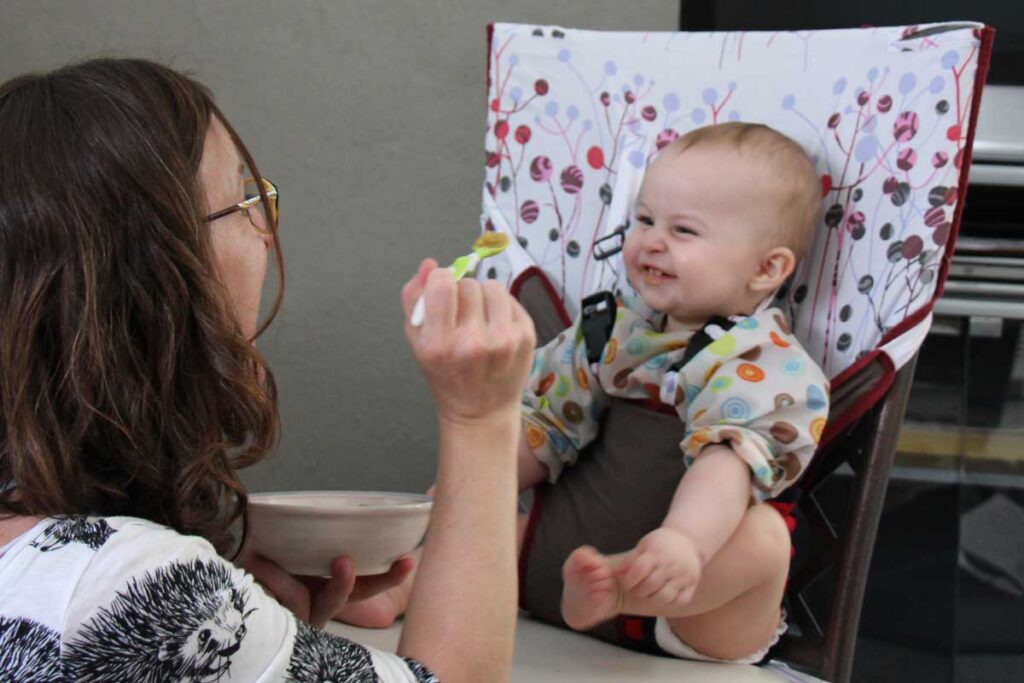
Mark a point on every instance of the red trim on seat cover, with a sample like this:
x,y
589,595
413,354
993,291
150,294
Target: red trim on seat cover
x,y
490,48
556,301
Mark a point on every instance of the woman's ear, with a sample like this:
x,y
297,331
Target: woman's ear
x,y
775,266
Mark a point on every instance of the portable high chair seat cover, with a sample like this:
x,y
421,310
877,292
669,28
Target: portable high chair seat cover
x,y
574,118
886,114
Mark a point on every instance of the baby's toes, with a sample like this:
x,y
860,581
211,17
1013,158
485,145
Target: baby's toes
x,y
651,584
685,594
667,595
635,571
673,595
585,562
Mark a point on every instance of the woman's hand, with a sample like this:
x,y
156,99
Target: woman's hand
x,y
475,348
475,345
316,599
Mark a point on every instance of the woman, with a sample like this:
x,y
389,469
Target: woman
x,y
131,265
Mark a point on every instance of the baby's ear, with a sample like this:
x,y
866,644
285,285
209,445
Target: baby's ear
x,y
775,266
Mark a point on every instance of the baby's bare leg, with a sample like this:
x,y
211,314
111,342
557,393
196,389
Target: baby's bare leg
x,y
734,608
381,610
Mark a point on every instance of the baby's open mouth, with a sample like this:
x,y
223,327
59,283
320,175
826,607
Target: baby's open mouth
x,y
653,276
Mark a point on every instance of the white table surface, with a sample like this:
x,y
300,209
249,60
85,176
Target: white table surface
x,y
545,653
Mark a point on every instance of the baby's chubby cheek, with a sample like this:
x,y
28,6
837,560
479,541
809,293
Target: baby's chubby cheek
x,y
635,278
631,258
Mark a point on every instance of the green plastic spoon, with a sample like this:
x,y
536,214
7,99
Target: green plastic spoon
x,y
488,244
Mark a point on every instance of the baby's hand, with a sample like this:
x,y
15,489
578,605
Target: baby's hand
x,y
665,568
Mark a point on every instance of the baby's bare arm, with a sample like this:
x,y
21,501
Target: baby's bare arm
x,y
710,500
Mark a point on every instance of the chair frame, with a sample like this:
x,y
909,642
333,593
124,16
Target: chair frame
x,y
869,447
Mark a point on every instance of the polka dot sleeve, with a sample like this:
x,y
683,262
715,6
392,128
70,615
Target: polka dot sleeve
x,y
758,391
563,402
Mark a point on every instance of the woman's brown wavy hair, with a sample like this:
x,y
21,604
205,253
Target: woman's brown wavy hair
x,y
126,385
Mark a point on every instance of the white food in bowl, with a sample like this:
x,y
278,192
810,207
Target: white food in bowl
x,y
303,531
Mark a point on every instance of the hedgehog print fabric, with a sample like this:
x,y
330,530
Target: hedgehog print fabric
x,y
28,651
181,622
123,599
92,534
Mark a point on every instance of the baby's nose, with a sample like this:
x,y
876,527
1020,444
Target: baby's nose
x,y
654,241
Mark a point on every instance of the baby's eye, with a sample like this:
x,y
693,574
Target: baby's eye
x,y
644,220
683,230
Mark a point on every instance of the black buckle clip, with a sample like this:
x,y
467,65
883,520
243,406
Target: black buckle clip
x,y
617,237
597,313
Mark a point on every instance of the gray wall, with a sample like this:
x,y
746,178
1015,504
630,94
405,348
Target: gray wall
x,y
370,116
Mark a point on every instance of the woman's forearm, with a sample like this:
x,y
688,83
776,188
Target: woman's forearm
x,y
467,573
711,499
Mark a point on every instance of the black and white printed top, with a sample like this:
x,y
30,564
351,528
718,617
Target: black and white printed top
x,y
123,599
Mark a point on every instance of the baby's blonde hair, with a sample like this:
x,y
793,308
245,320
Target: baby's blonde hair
x,y
796,184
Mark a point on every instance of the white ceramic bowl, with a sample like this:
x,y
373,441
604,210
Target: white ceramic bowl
x,y
304,530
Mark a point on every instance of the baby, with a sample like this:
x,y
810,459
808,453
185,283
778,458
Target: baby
x,y
722,216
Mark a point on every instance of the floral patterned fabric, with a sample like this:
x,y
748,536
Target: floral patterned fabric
x,y
576,116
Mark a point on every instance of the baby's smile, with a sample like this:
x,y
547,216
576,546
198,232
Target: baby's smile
x,y
653,276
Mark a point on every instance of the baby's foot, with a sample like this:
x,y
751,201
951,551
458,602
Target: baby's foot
x,y
660,575
591,593
376,611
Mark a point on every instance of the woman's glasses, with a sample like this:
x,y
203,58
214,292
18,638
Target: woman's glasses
x,y
267,217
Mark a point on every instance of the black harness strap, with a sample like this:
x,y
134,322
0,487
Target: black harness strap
x,y
700,339
598,319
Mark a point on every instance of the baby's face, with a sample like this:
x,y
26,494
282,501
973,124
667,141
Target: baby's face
x,y
700,229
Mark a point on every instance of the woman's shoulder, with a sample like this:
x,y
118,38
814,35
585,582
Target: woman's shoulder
x,y
69,564
69,547
79,539
134,599
92,534
73,558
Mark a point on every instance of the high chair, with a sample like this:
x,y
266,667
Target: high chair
x,y
888,117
